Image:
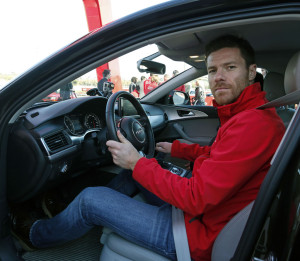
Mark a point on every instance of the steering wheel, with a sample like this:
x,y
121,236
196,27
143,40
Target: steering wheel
x,y
135,129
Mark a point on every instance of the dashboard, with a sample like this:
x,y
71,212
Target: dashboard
x,y
51,144
48,145
77,124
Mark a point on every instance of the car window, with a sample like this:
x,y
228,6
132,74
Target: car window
x,y
199,91
125,76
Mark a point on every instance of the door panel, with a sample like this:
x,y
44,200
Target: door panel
x,y
192,124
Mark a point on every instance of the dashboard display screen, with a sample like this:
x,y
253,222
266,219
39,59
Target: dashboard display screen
x,y
73,124
77,125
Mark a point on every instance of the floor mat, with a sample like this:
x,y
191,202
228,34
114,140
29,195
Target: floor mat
x,y
87,248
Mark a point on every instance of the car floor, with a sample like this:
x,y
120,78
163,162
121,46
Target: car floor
x,y
86,248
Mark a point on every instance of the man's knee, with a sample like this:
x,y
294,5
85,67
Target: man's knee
x,y
92,199
92,193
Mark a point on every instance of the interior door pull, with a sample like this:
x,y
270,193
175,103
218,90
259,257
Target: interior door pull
x,y
183,113
180,130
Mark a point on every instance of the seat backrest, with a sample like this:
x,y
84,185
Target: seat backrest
x,y
229,237
292,76
275,88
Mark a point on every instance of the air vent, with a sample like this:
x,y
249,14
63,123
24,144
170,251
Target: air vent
x,y
56,141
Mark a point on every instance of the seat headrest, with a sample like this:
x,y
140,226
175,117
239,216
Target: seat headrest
x,y
274,86
292,74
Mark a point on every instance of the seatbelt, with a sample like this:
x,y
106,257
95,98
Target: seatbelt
x,y
290,98
179,234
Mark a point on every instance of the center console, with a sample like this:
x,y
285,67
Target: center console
x,y
174,169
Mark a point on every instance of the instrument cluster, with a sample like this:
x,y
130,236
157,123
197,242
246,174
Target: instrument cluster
x,y
79,124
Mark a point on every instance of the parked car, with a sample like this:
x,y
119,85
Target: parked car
x,y
60,147
56,96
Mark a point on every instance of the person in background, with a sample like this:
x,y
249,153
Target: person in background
x,y
151,83
187,87
132,85
106,75
175,72
141,85
166,77
65,91
180,88
147,82
199,95
136,91
199,100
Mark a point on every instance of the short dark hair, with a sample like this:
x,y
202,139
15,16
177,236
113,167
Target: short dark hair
x,y
106,72
175,72
232,41
134,79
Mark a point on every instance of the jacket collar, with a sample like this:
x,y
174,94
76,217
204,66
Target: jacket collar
x,y
250,98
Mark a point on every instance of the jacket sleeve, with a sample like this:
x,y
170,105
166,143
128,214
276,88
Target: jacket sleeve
x,y
240,151
188,151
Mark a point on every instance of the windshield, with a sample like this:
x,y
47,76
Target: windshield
x,y
120,74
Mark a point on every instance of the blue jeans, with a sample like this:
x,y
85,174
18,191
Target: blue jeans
x,y
146,224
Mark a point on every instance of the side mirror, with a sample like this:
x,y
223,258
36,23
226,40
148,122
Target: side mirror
x,y
149,66
180,98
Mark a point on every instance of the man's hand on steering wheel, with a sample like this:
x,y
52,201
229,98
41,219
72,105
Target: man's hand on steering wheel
x,y
123,152
136,128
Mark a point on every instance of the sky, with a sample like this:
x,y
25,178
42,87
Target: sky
x,y
31,30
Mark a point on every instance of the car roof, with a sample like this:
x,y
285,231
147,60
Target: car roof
x,y
270,27
271,30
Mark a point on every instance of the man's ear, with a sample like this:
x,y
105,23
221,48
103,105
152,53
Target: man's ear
x,y
252,72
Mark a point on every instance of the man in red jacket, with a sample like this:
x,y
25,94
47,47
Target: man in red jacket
x,y
226,176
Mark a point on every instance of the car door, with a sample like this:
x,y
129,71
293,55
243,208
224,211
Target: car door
x,y
190,124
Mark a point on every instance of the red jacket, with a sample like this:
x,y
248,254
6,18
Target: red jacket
x,y
149,86
226,176
180,88
135,93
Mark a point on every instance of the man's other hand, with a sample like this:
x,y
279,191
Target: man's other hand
x,y
123,152
164,147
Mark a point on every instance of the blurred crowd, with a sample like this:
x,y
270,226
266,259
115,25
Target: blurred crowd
x,y
140,87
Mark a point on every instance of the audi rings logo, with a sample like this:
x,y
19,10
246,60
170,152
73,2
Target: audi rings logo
x,y
138,132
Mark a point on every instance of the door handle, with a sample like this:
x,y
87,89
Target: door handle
x,y
183,113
